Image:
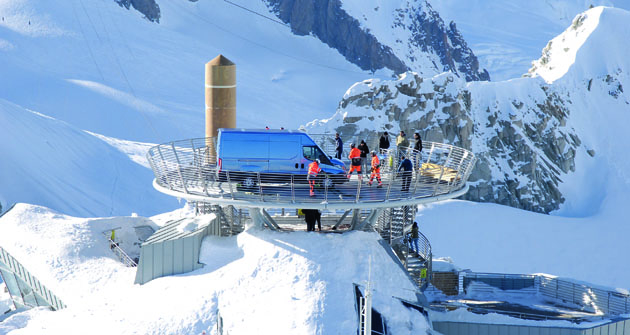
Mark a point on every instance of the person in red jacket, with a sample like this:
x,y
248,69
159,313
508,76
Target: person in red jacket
x,y
355,161
376,170
313,170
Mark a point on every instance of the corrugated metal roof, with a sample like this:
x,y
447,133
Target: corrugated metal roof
x,y
181,228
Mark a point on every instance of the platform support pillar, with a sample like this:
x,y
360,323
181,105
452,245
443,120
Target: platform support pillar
x,y
261,219
368,223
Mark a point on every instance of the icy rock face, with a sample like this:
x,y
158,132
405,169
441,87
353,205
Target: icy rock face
x,y
523,142
373,35
149,8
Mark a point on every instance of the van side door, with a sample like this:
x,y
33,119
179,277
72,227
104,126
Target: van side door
x,y
284,153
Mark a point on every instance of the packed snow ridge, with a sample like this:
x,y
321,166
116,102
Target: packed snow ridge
x,y
258,281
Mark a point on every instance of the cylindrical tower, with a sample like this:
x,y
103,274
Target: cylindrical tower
x,y
220,96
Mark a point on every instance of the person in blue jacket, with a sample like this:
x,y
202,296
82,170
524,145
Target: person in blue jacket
x,y
338,146
405,171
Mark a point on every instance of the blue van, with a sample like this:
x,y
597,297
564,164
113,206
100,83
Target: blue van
x,y
272,153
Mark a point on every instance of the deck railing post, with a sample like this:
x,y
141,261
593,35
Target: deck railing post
x,y
358,189
326,188
437,183
389,187
179,168
168,180
227,173
292,189
431,152
262,199
415,185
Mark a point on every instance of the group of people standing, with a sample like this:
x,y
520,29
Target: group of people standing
x,y
402,143
359,158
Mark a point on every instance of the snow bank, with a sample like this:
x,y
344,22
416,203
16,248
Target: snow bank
x,y
51,163
494,238
5,300
259,281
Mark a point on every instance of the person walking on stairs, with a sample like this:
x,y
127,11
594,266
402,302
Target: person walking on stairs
x,y
376,170
415,236
313,170
355,161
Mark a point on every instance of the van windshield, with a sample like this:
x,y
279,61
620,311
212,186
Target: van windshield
x,y
312,153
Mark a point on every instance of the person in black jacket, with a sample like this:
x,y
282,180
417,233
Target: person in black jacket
x,y
364,152
405,170
417,149
338,146
383,142
310,216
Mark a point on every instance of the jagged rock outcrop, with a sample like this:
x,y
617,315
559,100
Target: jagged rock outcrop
x,y
149,8
523,141
413,37
529,133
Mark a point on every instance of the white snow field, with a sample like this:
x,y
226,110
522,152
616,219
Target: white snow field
x,y
51,163
260,281
105,69
506,35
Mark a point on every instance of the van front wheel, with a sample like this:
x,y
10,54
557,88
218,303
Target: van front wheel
x,y
249,182
328,182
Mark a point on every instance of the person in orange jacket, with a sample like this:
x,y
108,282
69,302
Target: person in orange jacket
x,y
313,170
355,161
376,170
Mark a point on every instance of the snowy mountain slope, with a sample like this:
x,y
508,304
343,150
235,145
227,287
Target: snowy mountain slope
x,y
535,140
507,35
259,281
105,69
408,35
48,162
493,238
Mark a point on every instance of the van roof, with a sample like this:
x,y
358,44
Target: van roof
x,y
260,131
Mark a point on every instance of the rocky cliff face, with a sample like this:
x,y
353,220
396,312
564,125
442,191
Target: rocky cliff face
x,y
149,8
537,136
408,36
519,130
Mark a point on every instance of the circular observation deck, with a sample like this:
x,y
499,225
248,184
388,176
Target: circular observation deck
x,y
188,169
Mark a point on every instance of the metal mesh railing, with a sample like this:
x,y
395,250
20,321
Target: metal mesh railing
x,y
598,300
188,169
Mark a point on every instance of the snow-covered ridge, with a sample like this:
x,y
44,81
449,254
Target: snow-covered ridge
x,y
561,52
262,281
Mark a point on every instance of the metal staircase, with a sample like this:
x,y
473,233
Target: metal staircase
x,y
392,225
232,219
